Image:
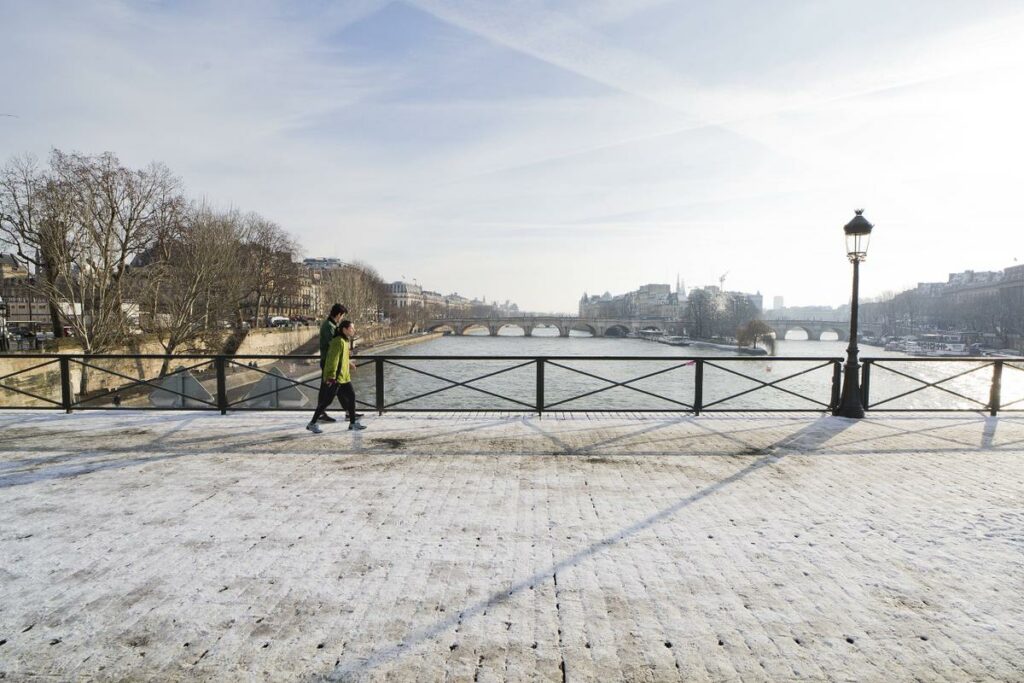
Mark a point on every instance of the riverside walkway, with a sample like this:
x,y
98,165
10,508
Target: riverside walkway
x,y
156,546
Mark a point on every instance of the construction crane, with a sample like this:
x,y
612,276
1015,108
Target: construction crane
x,y
721,280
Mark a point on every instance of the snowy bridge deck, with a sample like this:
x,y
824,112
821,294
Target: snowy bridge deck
x,y
195,546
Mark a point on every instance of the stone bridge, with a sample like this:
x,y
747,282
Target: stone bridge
x,y
619,327
598,327
815,328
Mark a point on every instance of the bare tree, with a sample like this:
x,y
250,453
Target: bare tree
x,y
102,215
700,309
31,224
750,333
359,287
187,280
268,265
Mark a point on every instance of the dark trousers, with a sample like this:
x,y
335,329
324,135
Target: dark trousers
x,y
345,394
323,359
347,398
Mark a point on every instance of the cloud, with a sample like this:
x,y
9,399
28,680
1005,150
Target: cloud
x,y
618,142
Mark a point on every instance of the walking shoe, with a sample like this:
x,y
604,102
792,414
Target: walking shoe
x,y
356,425
326,418
314,427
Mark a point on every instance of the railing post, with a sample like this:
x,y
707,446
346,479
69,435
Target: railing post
x,y
378,373
65,383
837,374
995,394
540,386
865,384
698,388
222,385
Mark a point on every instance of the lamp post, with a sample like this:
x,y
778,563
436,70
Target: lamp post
x,y
3,322
858,234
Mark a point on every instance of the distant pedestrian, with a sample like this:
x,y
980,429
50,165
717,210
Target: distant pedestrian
x,y
336,380
327,329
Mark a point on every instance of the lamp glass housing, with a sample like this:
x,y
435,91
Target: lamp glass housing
x,y
858,234
857,245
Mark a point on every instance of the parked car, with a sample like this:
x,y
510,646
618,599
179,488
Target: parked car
x,y
279,321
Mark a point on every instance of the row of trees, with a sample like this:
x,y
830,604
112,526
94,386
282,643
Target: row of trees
x,y
910,312
116,250
360,287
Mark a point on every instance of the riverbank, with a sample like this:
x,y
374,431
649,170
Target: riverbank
x,y
386,345
703,344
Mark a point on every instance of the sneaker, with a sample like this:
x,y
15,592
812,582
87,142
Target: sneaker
x,y
326,418
356,426
315,428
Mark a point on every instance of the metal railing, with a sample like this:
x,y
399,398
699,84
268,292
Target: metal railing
x,y
987,371
529,384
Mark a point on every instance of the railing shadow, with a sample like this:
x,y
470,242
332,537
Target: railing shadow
x,y
49,453
818,432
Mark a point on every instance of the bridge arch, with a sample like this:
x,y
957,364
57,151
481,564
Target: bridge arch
x,y
525,329
547,329
442,327
616,330
808,332
813,329
580,327
475,326
841,334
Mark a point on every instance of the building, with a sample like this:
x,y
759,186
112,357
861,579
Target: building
x,y
778,302
456,305
322,263
433,299
12,267
648,301
405,295
26,305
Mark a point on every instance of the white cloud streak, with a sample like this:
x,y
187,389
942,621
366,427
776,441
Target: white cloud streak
x,y
374,129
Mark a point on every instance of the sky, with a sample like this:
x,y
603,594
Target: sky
x,y
534,151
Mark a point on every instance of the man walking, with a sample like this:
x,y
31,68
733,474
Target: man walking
x,y
338,311
327,329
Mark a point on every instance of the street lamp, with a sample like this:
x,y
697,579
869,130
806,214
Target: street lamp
x,y
858,234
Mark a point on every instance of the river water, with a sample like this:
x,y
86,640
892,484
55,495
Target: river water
x,y
579,381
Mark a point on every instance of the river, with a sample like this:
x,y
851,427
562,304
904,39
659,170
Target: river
x,y
582,382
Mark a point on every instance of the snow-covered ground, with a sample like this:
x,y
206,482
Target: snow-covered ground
x,y
183,545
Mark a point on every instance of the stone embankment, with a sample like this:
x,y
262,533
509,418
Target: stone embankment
x,y
716,346
387,345
41,377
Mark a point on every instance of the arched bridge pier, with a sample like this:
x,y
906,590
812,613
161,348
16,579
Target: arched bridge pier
x,y
602,327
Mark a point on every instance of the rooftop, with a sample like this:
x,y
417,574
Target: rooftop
x,y
180,545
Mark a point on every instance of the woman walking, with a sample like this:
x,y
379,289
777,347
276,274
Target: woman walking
x,y
337,378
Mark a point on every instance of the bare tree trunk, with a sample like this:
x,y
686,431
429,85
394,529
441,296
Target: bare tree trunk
x,y
168,354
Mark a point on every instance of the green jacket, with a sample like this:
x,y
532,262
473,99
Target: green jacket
x,y
326,335
336,367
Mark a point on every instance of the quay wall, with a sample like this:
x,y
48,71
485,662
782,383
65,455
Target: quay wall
x,y
389,344
41,378
274,342
29,373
